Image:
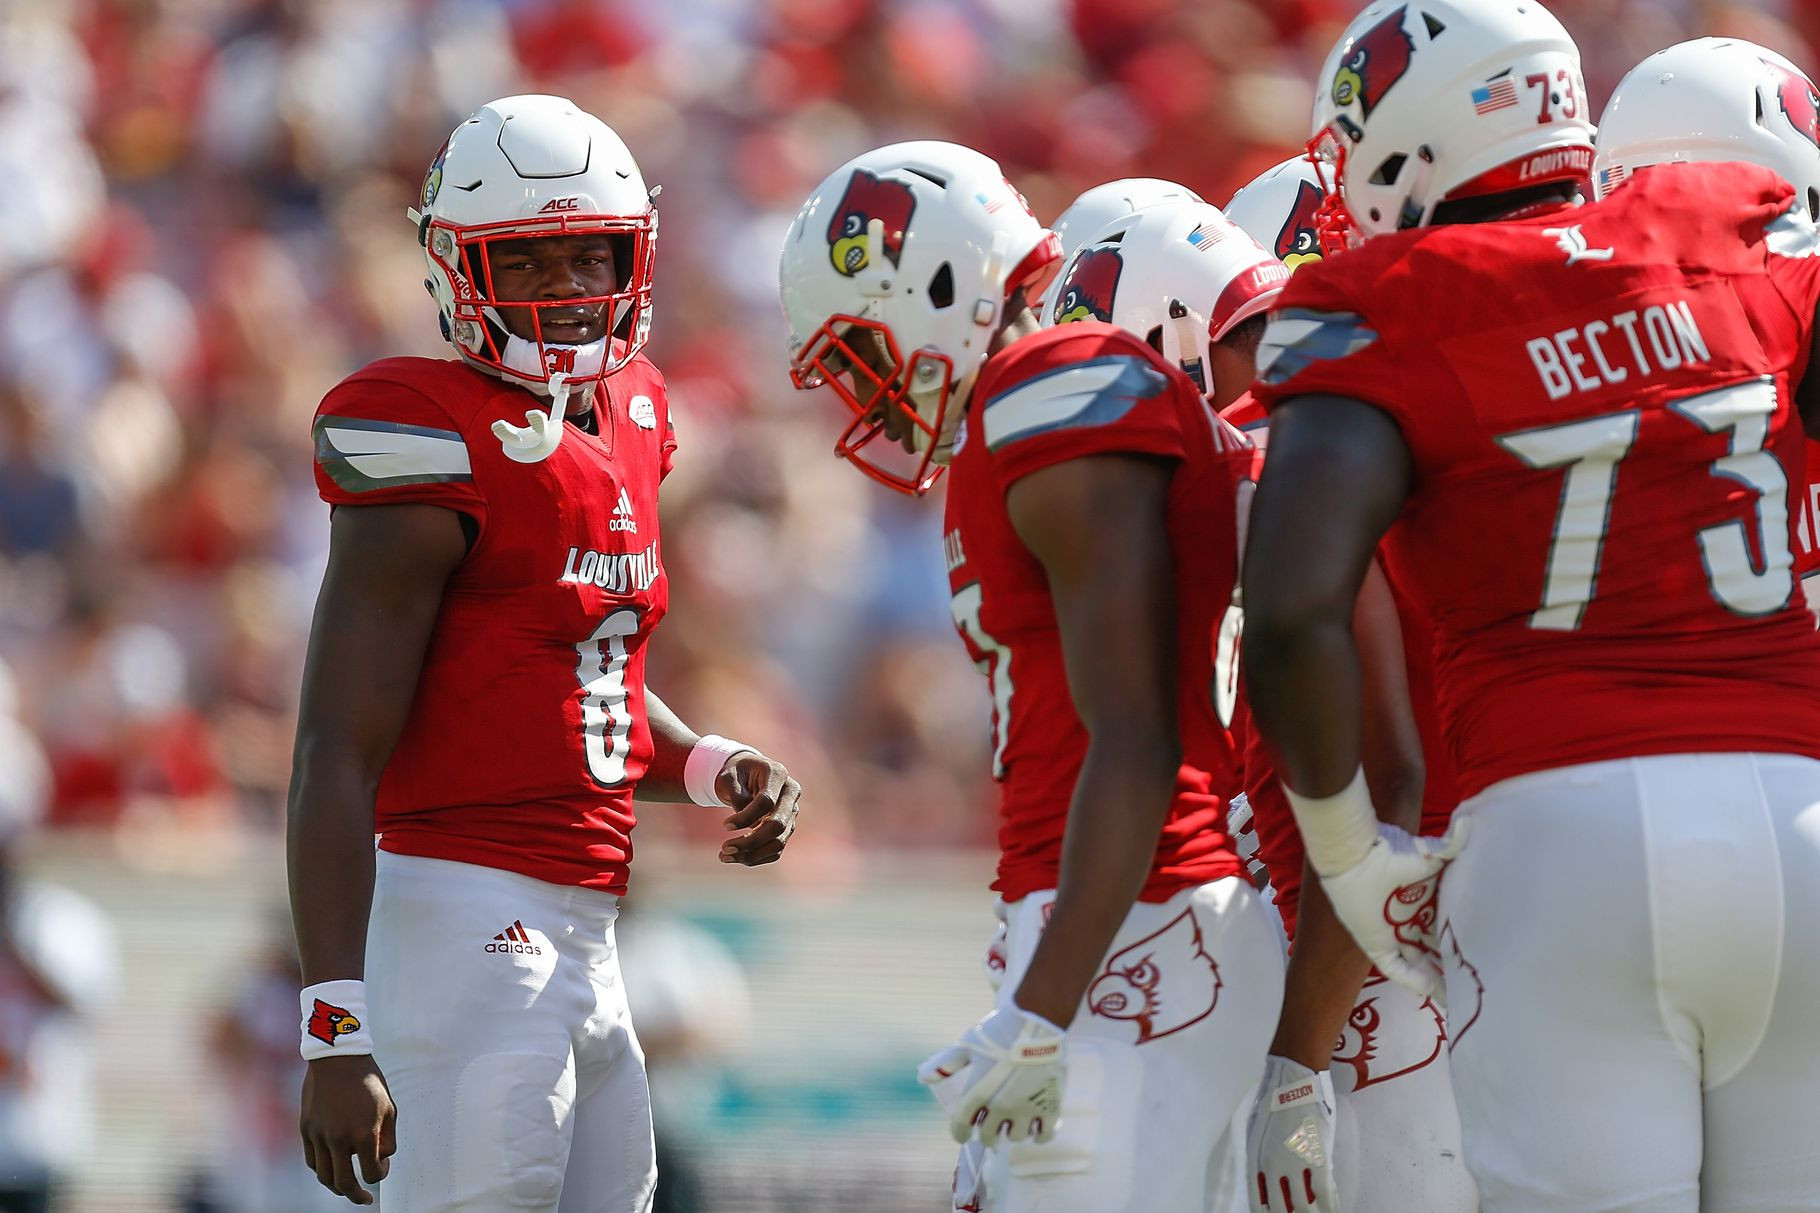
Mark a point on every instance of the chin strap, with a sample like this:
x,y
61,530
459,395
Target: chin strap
x,y
538,438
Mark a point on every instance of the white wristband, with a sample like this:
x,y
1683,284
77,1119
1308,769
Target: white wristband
x,y
334,1020
1337,830
704,766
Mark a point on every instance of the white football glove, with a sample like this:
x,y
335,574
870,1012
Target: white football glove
x,y
1387,901
1005,1075
1381,880
1290,1141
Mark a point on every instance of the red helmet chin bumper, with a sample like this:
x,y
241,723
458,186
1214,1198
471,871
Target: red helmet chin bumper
x,y
859,360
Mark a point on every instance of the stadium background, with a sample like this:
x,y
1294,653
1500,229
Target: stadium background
x,y
201,229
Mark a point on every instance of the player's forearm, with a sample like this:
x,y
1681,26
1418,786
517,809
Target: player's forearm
x,y
329,855
671,741
1326,970
1390,742
1121,799
1302,675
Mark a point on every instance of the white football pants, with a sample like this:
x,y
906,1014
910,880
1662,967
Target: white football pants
x,y
500,1023
1633,986
1397,1131
1164,1054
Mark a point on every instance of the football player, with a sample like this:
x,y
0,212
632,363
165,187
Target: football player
x,y
1577,425
1091,546
1391,1133
475,694
1724,99
1088,214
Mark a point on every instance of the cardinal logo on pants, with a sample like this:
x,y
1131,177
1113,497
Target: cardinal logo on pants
x,y
1377,1053
1163,982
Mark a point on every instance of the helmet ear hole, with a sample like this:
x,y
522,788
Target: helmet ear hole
x,y
1390,170
1813,203
1757,96
1155,338
941,287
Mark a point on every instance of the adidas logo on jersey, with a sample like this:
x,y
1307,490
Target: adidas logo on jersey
x,y
622,515
515,939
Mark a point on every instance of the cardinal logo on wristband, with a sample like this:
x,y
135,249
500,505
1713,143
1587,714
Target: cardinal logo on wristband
x,y
328,1022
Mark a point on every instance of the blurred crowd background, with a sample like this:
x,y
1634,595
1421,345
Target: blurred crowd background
x,y
202,229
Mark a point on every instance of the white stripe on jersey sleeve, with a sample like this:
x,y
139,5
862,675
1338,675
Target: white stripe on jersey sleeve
x,y
1087,393
1794,235
391,454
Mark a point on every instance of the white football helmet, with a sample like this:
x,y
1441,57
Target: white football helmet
x,y
1713,99
1178,274
535,166
1430,101
894,277
1089,214
1279,209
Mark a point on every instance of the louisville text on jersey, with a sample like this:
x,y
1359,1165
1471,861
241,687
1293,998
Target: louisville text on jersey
x,y
614,572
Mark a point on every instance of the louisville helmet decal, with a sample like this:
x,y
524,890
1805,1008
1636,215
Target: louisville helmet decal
x,y
1376,60
1799,102
328,1022
868,198
1086,293
1300,240
1164,982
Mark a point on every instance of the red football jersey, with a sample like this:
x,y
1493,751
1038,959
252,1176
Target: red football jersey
x,y
1807,524
1597,406
528,733
1279,841
1068,393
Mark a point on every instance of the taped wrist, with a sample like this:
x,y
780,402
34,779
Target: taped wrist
x,y
1337,830
704,765
334,1020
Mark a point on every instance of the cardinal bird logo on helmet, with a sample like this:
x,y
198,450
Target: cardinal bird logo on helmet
x,y
328,1022
1300,240
1087,291
868,198
1377,1055
1799,102
1376,60
1163,982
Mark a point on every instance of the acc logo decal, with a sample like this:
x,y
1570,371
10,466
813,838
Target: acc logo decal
x,y
868,198
1163,982
328,1022
1300,242
571,203
1376,60
1087,291
1377,1055
642,412
1799,101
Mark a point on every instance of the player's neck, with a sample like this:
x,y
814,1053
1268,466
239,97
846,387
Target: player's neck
x,y
1504,207
1021,321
